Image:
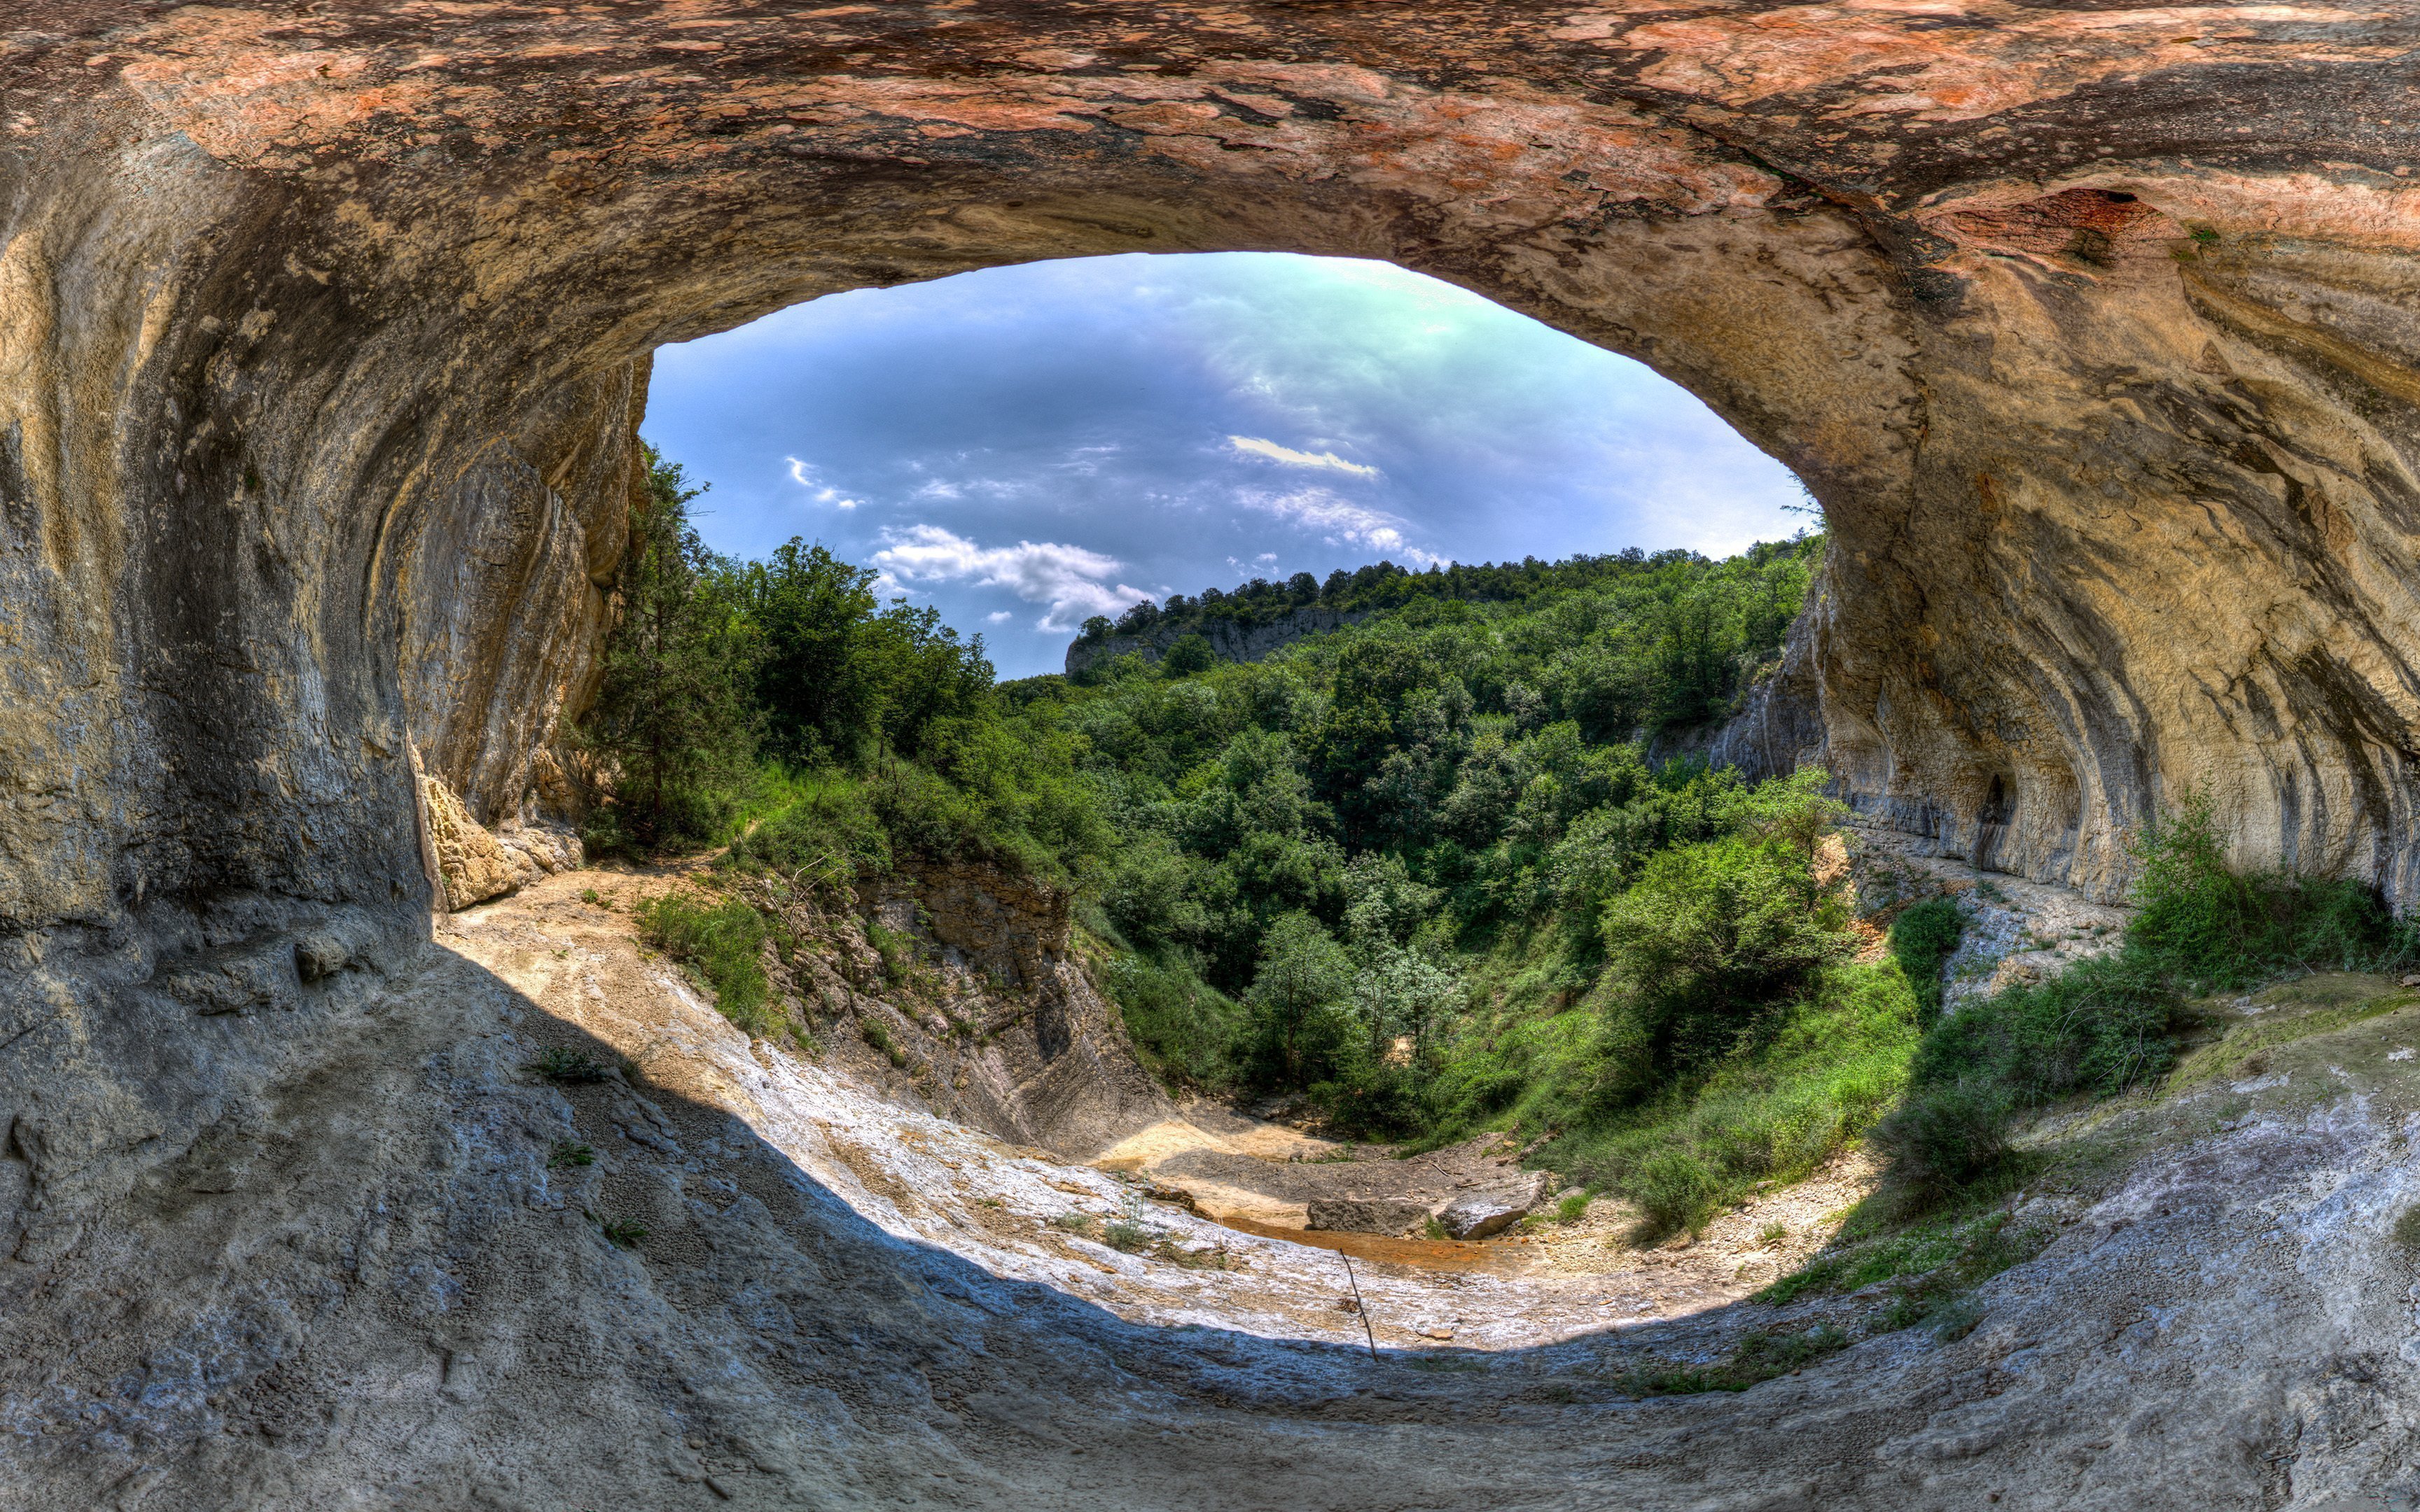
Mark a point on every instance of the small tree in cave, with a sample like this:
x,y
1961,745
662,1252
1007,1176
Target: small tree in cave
x,y
674,724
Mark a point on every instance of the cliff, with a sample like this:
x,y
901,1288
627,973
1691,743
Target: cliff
x,y
1233,639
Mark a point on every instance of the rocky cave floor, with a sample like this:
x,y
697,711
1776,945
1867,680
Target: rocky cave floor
x,y
388,1279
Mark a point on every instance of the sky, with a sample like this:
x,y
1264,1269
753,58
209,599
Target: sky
x,y
1024,447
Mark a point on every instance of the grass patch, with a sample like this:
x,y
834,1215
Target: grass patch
x,y
874,1033
568,1154
1759,1357
1922,938
568,1068
1125,1237
2242,1049
1774,1114
721,947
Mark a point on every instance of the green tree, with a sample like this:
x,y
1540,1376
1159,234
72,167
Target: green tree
x,y
675,723
1190,654
819,684
1305,976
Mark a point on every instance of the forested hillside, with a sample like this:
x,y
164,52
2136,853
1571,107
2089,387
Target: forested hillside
x,y
1418,872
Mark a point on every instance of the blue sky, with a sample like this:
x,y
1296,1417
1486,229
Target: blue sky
x,y
1026,446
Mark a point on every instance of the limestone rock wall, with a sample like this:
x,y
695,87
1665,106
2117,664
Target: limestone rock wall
x,y
1233,639
2088,329
322,326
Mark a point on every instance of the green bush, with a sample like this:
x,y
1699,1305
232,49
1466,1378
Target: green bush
x,y
823,834
2211,928
1922,939
1714,943
721,945
1674,1188
2108,1023
1185,1031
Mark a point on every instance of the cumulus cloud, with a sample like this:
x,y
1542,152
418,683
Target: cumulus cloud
x,y
1339,521
1293,458
1073,582
822,493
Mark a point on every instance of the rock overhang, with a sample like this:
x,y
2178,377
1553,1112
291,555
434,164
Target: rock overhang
x,y
2081,323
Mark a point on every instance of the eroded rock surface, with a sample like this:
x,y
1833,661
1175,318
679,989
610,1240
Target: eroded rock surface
x,y
322,326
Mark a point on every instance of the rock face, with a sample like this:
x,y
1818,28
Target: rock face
x,y
321,327
324,329
1233,639
1487,1213
1368,1215
977,1004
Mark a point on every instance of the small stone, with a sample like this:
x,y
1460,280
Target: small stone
x,y
1489,1212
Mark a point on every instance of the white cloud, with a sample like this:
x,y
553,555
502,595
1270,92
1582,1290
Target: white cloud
x,y
1340,520
1069,578
1293,458
998,616
823,493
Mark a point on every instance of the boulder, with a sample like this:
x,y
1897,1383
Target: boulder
x,y
1368,1215
470,864
1489,1212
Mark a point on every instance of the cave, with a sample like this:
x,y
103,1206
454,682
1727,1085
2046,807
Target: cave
x,y
324,327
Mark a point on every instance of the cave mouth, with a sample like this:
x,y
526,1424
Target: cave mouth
x,y
1030,444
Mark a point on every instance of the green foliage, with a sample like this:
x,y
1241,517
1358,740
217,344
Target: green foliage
x,y
568,1068
1922,938
1758,1357
1186,1031
622,1233
1190,654
567,1154
1717,942
2108,1023
1298,1031
874,1033
722,945
674,722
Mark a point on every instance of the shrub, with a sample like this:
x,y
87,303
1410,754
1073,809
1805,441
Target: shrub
x,y
721,945
1124,1237
1943,1138
1716,938
568,1067
1921,940
1185,1031
826,836
2107,1023
1674,1189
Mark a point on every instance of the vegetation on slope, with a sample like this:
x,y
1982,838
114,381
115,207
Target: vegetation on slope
x,y
1419,872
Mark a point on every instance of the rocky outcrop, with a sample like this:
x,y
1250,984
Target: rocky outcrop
x,y
1231,639
956,984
